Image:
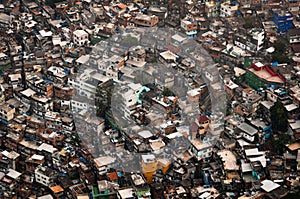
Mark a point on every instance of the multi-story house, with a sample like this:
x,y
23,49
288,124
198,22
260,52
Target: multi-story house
x,y
248,132
57,74
253,41
118,9
40,86
293,6
12,158
145,20
293,36
190,27
136,57
201,148
211,9
44,175
259,75
7,113
283,21
104,163
295,94
32,162
9,182
63,92
228,9
47,150
80,37
41,104
126,99
149,166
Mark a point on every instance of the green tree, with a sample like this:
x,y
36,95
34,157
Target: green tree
x,y
167,92
129,41
52,2
280,58
280,46
94,39
280,52
279,118
249,23
292,196
278,144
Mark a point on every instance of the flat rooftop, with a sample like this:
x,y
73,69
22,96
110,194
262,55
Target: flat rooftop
x,y
247,129
168,55
266,75
229,160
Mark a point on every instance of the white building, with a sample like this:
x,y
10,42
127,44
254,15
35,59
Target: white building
x,y
248,132
126,193
7,112
104,163
80,37
190,27
129,97
258,38
12,157
201,149
253,41
110,66
79,105
41,104
227,9
211,9
43,175
47,148
168,57
87,82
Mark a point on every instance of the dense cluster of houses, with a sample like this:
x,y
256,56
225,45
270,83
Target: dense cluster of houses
x,y
149,99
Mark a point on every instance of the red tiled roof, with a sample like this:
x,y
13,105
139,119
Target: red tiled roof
x,y
202,119
122,5
113,176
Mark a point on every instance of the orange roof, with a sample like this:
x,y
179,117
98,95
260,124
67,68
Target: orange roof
x,y
294,146
113,176
122,5
57,189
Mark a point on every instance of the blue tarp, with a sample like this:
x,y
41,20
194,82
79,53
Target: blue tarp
x,y
268,135
83,160
208,113
268,128
272,86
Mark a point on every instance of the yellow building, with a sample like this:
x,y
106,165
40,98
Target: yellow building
x,y
149,166
164,165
